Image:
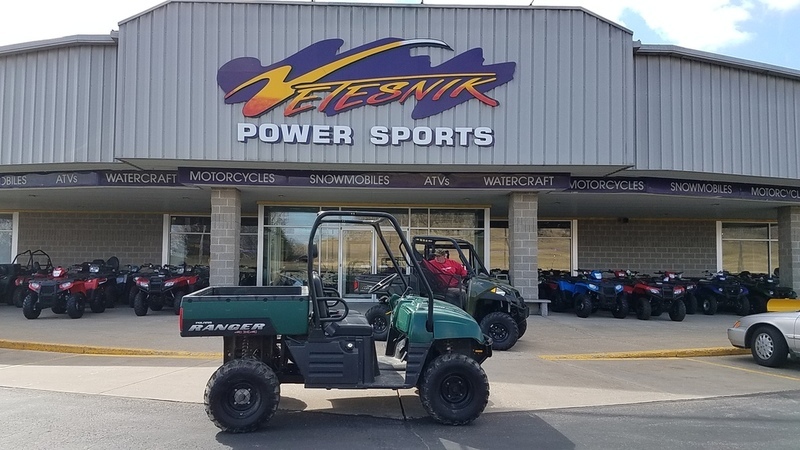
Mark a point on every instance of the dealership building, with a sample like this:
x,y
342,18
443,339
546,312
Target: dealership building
x,y
212,132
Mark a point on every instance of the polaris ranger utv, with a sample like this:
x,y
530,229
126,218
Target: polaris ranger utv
x,y
494,303
297,334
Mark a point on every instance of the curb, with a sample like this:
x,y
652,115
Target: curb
x,y
675,353
104,351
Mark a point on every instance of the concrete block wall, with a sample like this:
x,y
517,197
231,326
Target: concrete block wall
x,y
789,246
523,213
648,246
71,238
226,215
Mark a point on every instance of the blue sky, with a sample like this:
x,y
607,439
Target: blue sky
x,y
766,31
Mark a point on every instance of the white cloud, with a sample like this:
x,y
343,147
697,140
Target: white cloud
x,y
700,24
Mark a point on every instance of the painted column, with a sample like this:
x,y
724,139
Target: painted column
x,y
523,212
226,213
789,246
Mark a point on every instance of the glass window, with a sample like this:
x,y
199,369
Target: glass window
x,y
6,232
751,247
554,241
248,251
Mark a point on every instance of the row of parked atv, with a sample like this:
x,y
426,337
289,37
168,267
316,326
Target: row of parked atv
x,y
32,283
623,291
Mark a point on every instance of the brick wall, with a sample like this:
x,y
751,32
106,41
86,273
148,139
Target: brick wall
x,y
71,238
648,245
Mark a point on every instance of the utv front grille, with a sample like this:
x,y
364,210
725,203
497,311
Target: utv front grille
x,y
609,291
668,292
156,284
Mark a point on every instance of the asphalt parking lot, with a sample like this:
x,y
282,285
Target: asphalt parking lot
x,y
562,361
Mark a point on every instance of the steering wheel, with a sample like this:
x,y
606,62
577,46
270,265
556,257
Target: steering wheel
x,y
383,283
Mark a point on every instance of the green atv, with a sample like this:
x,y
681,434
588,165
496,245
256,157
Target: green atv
x,y
494,303
299,334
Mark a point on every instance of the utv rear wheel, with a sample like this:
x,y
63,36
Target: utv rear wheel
x,y
643,310
502,328
242,395
743,306
378,317
176,304
678,311
768,346
583,305
454,389
140,304
708,305
76,304
30,307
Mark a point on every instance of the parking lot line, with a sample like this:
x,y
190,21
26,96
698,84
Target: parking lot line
x,y
673,353
743,369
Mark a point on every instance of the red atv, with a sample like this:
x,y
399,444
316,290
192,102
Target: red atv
x,y
66,292
652,296
167,286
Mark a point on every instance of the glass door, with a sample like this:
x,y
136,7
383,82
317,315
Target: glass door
x,y
358,257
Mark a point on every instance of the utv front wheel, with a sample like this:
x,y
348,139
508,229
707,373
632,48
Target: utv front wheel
x,y
522,326
140,304
378,317
620,310
502,328
691,303
19,295
454,389
743,306
242,395
643,310
30,307
75,306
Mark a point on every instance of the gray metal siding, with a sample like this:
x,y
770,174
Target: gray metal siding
x,y
570,101
701,117
57,105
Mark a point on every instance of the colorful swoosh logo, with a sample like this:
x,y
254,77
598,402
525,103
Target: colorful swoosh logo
x,y
378,73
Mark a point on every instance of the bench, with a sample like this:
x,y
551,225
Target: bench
x,y
542,304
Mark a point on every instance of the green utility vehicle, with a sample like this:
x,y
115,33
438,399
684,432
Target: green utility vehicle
x,y
488,297
297,334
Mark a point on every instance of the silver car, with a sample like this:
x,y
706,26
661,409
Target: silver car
x,y
771,337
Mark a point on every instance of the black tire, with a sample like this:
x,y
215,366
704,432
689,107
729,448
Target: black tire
x,y
76,305
176,303
743,306
454,389
378,317
98,303
559,303
502,328
678,311
522,326
111,296
691,303
19,295
242,395
643,310
132,294
768,347
59,306
30,306
758,305
621,308
708,305
583,305
140,304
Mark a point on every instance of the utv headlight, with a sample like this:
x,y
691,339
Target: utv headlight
x,y
498,291
65,286
169,284
593,287
654,291
34,286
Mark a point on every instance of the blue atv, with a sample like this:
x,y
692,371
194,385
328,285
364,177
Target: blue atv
x,y
720,290
601,293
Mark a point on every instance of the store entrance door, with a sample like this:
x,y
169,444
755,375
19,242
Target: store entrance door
x,y
358,257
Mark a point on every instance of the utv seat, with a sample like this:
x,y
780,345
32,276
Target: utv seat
x,y
351,324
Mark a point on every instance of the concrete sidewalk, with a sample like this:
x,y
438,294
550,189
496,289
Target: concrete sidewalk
x,y
548,367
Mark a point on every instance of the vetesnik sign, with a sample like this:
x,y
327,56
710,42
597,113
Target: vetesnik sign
x,y
318,78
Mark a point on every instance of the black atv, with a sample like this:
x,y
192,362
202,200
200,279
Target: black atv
x,y
761,288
